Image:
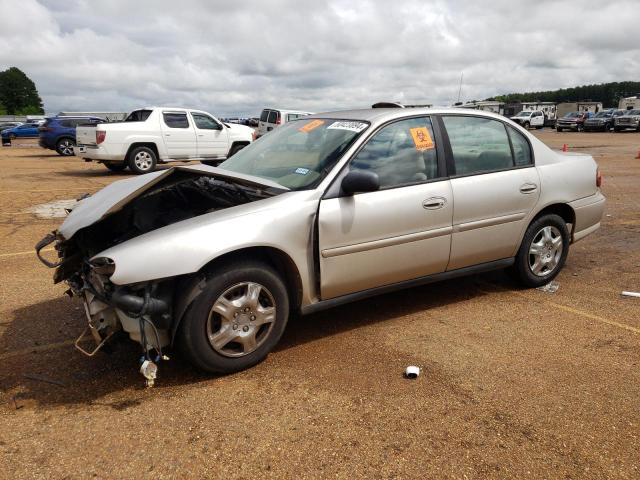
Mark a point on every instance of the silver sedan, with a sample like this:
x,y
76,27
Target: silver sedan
x,y
325,210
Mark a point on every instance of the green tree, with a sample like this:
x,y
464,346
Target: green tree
x,y
18,94
607,93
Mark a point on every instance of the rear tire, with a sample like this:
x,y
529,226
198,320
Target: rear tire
x,y
543,251
142,160
64,147
115,167
526,125
227,329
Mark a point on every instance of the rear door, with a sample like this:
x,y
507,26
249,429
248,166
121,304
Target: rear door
x,y
179,135
495,186
211,136
400,232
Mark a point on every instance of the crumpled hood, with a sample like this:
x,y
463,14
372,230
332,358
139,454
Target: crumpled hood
x,y
113,197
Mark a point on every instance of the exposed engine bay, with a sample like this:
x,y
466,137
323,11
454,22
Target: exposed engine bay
x,y
144,311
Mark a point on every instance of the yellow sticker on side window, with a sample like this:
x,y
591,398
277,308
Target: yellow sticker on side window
x,y
421,138
311,125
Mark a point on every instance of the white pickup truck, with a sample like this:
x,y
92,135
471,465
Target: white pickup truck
x,y
160,134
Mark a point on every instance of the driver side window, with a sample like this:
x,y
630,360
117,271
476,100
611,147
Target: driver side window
x,y
401,153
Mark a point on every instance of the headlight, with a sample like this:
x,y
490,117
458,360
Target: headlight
x,y
103,266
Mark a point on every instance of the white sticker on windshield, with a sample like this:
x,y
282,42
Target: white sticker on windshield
x,y
352,126
301,171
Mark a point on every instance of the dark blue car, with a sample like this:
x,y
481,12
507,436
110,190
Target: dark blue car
x,y
59,133
21,131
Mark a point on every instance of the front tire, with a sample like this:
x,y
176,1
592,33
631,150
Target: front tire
x,y
526,125
142,160
64,147
543,251
237,319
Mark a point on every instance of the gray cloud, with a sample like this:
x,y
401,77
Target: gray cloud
x,y
237,57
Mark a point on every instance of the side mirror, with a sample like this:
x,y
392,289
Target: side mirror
x,y
360,181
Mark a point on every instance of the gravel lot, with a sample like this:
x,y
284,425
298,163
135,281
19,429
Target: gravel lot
x,y
516,383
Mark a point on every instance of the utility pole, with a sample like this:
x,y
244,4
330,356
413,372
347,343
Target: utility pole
x,y
460,88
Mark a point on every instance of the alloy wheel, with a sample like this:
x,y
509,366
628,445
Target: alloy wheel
x,y
241,319
143,161
66,147
545,251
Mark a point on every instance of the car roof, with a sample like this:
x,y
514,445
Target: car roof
x,y
375,115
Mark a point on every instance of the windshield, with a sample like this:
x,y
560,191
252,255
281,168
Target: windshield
x,y
603,115
572,115
299,154
523,114
632,112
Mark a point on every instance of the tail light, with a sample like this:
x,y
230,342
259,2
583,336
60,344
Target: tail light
x,y
44,129
100,136
254,135
598,178
278,120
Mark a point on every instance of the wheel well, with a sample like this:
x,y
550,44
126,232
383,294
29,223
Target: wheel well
x,y
150,145
192,285
241,142
62,137
272,256
562,210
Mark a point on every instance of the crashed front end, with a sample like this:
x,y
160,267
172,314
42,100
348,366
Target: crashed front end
x,y
121,212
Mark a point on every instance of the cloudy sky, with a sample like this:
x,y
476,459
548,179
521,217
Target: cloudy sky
x,y
235,57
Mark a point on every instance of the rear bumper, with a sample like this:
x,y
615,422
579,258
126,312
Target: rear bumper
x,y
589,211
99,153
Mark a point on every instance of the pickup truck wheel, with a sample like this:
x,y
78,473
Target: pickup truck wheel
x,y
115,167
142,160
543,251
558,129
237,319
64,147
526,125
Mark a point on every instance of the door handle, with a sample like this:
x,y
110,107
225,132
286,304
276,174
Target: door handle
x,y
434,203
528,188
201,134
167,134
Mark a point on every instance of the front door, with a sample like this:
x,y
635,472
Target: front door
x,y
179,135
495,186
400,232
212,137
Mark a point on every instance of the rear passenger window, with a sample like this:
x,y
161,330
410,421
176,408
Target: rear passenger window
x,y
478,144
521,148
272,117
264,115
175,120
401,153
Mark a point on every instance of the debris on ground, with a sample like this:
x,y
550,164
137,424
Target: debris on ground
x,y
412,372
42,378
551,287
631,294
56,209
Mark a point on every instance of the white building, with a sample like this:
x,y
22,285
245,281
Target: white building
x,y
486,106
629,103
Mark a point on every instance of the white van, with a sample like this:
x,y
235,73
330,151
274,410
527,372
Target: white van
x,y
270,118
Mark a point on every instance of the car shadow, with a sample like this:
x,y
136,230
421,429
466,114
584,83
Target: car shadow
x,y
39,365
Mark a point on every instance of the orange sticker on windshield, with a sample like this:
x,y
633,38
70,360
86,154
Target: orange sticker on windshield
x,y
421,138
311,125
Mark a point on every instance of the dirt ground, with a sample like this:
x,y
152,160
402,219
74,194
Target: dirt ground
x,y
515,383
